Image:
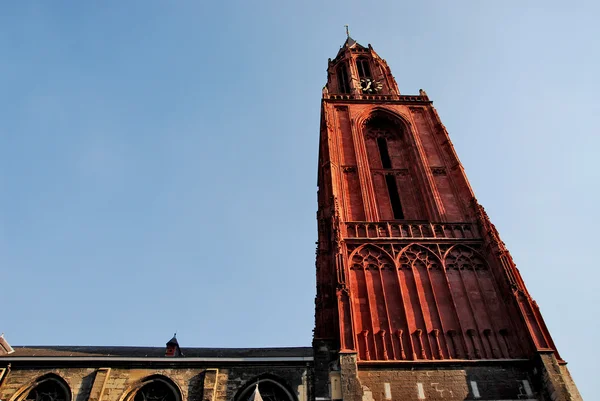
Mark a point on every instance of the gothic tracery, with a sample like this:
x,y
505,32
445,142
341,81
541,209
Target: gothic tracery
x,y
48,390
464,258
371,258
417,256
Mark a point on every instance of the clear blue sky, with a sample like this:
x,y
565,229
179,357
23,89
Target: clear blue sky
x,y
158,159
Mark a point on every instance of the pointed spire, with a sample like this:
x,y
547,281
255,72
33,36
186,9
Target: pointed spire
x,y
256,394
349,41
173,341
5,347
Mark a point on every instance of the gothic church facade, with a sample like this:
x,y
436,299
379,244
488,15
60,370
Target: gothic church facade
x,y
417,296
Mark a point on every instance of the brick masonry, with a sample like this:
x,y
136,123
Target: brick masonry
x,y
445,383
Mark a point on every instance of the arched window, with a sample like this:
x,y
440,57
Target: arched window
x,y
156,390
49,389
269,390
392,161
343,81
363,67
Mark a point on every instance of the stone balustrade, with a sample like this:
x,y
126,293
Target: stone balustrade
x,y
419,230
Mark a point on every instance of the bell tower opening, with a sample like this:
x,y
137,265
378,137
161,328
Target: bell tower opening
x,y
343,81
358,70
362,65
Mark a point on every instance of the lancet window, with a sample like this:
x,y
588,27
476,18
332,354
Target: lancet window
x,y
156,390
49,390
343,81
383,136
363,67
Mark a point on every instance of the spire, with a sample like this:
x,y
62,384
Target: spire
x,y
173,341
349,41
256,395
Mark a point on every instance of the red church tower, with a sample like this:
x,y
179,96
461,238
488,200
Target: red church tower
x,y
417,296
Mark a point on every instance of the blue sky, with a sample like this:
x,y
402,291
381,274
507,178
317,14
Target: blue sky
x,y
158,159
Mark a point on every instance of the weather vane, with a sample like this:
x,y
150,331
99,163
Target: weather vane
x,y
347,31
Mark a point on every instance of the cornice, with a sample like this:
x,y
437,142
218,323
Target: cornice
x,y
380,99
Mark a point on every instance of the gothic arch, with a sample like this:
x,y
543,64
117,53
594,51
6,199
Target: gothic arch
x,y
271,388
462,256
48,387
369,250
426,293
399,118
482,311
373,278
153,388
393,161
414,252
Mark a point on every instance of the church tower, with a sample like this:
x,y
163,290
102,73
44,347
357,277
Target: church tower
x,y
417,296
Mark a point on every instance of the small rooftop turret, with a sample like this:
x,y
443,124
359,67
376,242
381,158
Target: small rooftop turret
x,y
173,347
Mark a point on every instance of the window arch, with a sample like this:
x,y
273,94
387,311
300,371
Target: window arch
x,y
49,388
343,80
363,67
383,136
269,388
155,388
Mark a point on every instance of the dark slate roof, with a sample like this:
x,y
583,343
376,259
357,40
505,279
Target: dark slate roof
x,y
347,44
350,42
156,352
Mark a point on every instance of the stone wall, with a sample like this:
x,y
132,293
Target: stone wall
x,y
193,383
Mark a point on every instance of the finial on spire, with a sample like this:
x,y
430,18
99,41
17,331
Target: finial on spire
x,y
347,31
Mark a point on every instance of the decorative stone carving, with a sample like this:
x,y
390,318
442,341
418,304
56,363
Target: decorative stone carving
x,y
374,133
452,336
365,337
487,228
438,171
336,234
371,258
504,335
463,258
416,255
399,335
383,345
436,336
488,333
398,172
471,334
419,335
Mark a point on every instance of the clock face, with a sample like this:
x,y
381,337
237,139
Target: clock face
x,y
370,86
